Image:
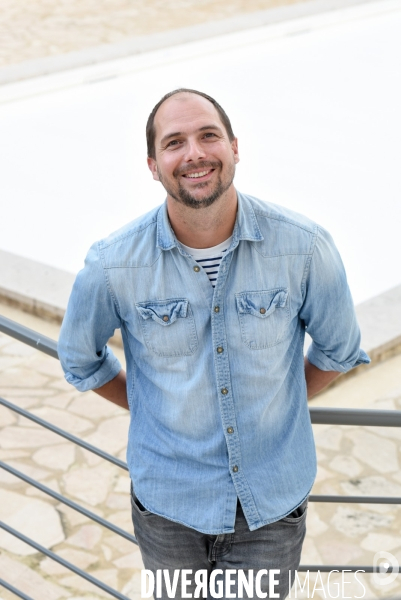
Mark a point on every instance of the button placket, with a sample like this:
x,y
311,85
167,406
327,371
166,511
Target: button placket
x,y
222,367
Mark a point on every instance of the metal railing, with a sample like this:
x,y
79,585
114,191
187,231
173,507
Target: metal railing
x,y
327,416
49,346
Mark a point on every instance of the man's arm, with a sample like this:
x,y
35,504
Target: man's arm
x,y
329,318
115,390
90,321
316,379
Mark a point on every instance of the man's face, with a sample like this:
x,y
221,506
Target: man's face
x,y
195,160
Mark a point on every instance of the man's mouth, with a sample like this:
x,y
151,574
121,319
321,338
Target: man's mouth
x,y
197,175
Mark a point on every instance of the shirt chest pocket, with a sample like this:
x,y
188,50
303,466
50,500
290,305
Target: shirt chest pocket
x,y
168,326
263,317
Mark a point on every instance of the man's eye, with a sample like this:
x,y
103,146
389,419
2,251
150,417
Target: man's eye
x,y
173,143
210,134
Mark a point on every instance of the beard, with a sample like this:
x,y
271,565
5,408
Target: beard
x,y
185,197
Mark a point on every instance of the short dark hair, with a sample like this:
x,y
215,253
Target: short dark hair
x,y
150,125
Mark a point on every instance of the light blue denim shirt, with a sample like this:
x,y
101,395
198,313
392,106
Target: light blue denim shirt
x,y
215,378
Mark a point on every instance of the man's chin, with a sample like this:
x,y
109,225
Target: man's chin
x,y
196,201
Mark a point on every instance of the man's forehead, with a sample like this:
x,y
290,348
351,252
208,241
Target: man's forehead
x,y
177,107
188,98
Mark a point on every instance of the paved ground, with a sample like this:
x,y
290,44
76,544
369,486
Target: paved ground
x,y
352,460
40,28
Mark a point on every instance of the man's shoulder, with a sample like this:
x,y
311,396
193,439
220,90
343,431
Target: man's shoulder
x,y
132,245
284,231
281,214
138,226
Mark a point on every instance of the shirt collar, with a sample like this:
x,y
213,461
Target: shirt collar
x,y
246,225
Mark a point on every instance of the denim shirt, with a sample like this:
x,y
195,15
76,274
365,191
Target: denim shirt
x,y
215,377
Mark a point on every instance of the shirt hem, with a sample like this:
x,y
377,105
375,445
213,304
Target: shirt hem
x,y
253,527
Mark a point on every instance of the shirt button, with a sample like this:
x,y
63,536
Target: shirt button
x,y
165,318
224,391
262,311
196,269
220,349
217,309
230,429
235,469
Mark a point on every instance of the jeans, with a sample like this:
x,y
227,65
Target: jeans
x,y
169,545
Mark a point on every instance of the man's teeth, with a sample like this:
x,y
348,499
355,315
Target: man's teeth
x,y
194,175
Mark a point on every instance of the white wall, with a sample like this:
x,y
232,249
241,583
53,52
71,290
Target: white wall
x,y
315,105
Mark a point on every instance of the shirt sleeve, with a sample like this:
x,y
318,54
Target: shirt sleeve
x,y
328,311
90,320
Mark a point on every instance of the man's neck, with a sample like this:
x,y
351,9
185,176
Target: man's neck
x,y
204,227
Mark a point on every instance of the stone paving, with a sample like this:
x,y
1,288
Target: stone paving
x,y
352,460
39,28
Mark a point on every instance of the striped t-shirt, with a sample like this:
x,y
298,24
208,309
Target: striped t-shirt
x,y
210,258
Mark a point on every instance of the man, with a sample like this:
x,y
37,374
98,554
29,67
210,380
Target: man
x,y
213,292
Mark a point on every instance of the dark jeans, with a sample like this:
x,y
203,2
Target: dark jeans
x,y
168,545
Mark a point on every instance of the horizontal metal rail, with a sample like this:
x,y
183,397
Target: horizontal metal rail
x,y
68,502
356,499
14,590
355,416
63,562
65,434
28,336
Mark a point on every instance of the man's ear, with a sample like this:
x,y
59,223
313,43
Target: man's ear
x,y
153,168
234,146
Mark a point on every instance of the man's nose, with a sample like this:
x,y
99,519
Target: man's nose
x,y
194,150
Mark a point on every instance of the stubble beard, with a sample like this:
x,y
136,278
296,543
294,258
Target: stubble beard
x,y
183,196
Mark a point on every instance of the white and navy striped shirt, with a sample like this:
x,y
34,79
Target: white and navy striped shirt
x,y
209,258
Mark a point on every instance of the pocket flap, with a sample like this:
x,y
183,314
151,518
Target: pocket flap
x,y
164,312
261,304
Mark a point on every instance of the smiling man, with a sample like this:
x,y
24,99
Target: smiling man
x,y
199,182
213,292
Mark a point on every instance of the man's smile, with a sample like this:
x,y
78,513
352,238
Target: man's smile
x,y
197,175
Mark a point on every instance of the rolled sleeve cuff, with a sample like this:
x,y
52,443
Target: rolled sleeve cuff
x,y
109,369
325,363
